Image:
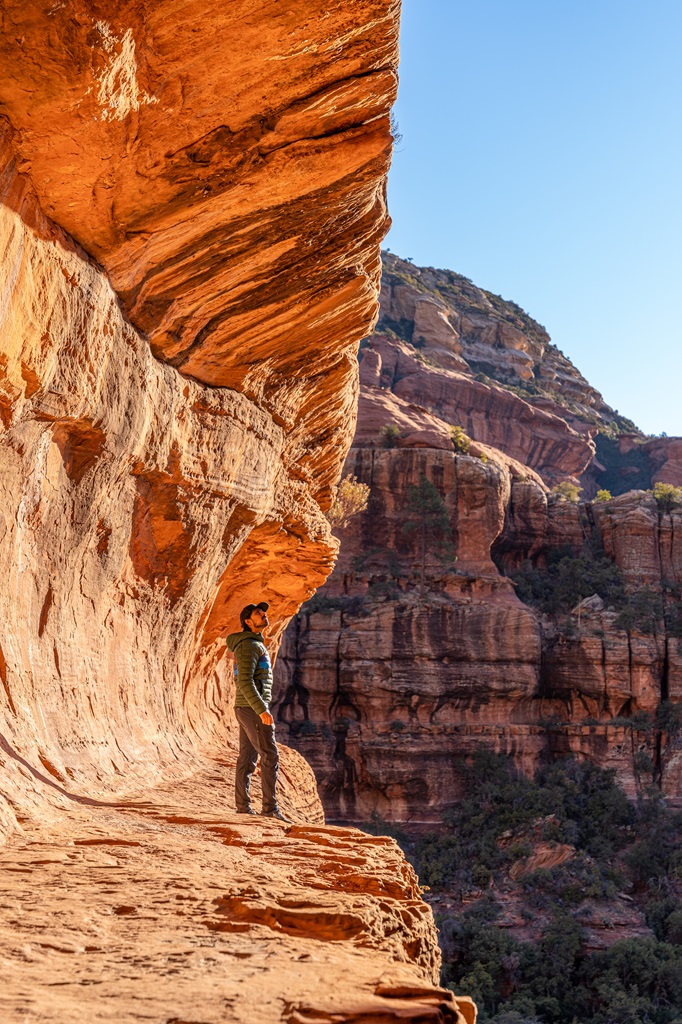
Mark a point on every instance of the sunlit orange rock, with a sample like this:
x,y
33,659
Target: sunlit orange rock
x,y
225,166
191,199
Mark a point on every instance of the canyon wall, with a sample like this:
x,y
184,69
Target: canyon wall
x,y
419,648
178,238
191,200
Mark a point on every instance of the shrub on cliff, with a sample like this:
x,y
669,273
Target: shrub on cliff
x,y
461,442
351,498
656,853
603,495
667,496
568,580
566,491
324,605
643,611
389,435
427,520
669,717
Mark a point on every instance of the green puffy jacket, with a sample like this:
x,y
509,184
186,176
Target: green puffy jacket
x,y
253,671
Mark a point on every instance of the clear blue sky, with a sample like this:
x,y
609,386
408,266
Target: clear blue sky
x,y
542,158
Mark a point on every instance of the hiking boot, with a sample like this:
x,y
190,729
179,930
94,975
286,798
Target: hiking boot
x,y
245,810
276,813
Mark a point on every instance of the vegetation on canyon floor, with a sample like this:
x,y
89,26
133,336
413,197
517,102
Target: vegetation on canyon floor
x,y
612,851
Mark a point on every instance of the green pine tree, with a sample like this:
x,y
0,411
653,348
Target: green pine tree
x,y
427,518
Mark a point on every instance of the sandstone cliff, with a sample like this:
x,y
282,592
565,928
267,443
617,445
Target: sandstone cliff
x,y
472,358
413,654
141,504
192,198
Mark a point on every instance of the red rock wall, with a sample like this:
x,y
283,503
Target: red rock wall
x,y
538,439
384,688
386,681
192,197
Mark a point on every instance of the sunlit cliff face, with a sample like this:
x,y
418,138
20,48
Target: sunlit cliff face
x,y
192,200
506,616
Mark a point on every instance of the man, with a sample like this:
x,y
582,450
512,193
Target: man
x,y
253,676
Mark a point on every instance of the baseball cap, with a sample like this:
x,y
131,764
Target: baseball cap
x,y
246,612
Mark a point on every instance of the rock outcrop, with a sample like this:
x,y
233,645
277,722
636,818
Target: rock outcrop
x,y
146,908
474,359
163,453
418,648
192,197
488,413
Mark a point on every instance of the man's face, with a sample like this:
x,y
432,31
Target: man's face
x,y
258,620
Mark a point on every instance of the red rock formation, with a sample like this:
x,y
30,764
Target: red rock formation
x,y
128,492
384,682
490,414
142,507
389,678
191,201
377,679
499,376
665,457
147,909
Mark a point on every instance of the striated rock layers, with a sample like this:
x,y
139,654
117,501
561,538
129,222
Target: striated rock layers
x,y
172,426
418,648
169,910
191,201
446,347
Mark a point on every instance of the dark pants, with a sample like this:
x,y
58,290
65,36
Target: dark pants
x,y
254,739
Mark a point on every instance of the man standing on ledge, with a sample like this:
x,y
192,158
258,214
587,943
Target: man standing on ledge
x,y
253,676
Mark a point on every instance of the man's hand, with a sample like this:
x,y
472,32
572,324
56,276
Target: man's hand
x,y
266,718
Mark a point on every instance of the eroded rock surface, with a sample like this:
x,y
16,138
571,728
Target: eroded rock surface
x,y
418,648
167,907
191,201
142,506
469,357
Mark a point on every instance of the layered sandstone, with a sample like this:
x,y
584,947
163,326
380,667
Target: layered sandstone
x,y
490,414
191,201
168,908
384,688
403,664
143,498
474,359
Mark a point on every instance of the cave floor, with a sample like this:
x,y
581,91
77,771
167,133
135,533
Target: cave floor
x,y
168,909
